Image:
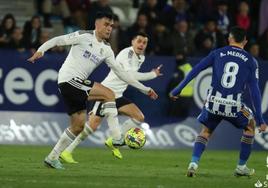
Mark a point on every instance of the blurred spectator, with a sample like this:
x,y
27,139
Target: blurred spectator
x,y
98,6
209,38
183,40
56,7
263,23
118,39
222,16
178,10
16,40
242,17
162,40
182,106
79,10
141,25
183,45
31,33
149,7
45,36
135,3
254,50
254,17
161,4
8,24
202,10
263,42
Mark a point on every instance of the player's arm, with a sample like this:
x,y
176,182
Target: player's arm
x,y
203,64
63,40
128,78
122,59
253,84
144,76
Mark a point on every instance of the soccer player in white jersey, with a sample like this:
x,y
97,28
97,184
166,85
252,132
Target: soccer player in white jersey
x,y
89,49
130,59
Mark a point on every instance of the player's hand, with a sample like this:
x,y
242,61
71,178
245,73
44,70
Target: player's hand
x,y
262,127
36,55
152,94
157,70
172,97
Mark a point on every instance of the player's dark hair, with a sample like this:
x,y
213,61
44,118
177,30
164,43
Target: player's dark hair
x,y
140,34
101,15
238,34
116,17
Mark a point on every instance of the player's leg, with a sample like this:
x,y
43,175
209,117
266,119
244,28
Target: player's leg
x,y
109,110
210,122
246,122
89,128
77,121
126,107
199,147
201,143
74,94
94,120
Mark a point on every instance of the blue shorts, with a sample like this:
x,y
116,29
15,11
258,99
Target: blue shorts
x,y
211,120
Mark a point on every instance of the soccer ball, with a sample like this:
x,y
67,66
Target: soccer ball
x,y
135,138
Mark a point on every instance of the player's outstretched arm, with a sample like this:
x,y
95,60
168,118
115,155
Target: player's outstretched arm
x,y
63,40
128,78
203,64
36,55
256,99
144,76
255,93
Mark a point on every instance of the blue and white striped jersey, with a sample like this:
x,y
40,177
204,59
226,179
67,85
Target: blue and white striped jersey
x,y
232,70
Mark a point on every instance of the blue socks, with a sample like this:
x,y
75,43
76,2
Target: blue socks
x,y
246,145
245,151
199,147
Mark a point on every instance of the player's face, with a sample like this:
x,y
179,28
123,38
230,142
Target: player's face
x,y
139,44
104,27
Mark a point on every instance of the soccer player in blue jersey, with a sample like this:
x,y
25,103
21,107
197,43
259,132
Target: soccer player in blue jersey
x,y
233,70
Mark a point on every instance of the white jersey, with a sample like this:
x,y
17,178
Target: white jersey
x,y
85,55
131,63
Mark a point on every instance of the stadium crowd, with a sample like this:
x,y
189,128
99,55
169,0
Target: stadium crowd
x,y
179,28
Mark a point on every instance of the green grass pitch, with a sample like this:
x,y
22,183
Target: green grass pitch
x,y
22,166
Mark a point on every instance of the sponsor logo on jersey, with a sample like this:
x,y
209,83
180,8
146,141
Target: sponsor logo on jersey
x,y
86,54
95,59
87,82
223,101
